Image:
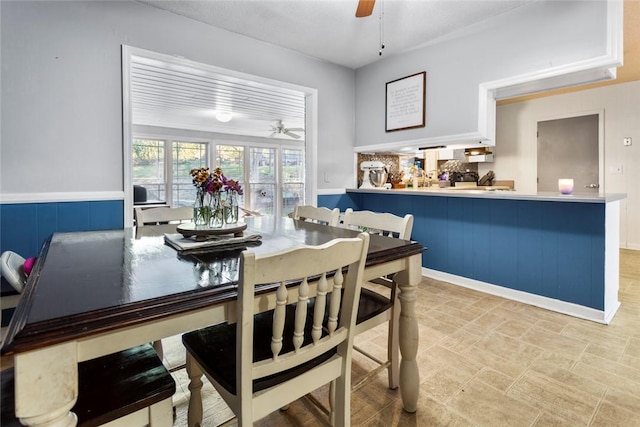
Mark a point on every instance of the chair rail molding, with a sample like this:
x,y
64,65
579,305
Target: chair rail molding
x,y
75,196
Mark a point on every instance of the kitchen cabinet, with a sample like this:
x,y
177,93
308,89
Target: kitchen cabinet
x,y
480,158
430,160
451,154
478,155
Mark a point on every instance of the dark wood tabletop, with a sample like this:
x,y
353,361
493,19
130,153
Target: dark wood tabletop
x,y
85,283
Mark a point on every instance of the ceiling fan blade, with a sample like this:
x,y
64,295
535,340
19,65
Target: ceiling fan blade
x,y
273,134
292,135
365,8
296,129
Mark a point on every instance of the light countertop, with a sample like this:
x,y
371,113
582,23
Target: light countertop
x,y
497,194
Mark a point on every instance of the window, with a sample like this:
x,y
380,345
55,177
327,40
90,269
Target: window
x,y
148,168
172,186
271,186
262,180
272,177
230,158
184,157
292,179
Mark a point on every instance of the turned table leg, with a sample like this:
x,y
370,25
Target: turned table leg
x,y
47,386
408,281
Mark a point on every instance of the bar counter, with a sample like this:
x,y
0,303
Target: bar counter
x,y
559,252
497,194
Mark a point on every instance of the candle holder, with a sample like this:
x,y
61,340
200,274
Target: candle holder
x,y
565,185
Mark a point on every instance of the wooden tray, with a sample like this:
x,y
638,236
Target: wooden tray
x,y
189,229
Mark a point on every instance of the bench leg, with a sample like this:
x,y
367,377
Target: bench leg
x,y
161,414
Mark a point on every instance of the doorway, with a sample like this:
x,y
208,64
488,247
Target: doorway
x,y
570,147
267,113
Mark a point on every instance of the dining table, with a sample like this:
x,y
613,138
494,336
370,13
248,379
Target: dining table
x,y
94,293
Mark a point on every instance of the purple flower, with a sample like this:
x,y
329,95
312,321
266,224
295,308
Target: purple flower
x,y
231,185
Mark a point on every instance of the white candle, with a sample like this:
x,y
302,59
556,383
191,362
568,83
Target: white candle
x,y
565,185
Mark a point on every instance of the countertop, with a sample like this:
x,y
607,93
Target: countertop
x,y
497,194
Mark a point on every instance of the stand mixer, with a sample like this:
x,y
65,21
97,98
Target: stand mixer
x,y
367,168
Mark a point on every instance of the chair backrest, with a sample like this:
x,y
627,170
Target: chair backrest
x,y
317,214
12,269
379,223
156,215
300,273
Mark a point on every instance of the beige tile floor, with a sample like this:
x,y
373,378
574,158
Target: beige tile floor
x,y
488,361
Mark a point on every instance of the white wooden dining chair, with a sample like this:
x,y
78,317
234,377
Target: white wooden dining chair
x,y
162,215
317,214
268,359
375,307
12,269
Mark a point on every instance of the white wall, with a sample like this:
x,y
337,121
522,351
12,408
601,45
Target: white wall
x,y
61,97
516,145
533,38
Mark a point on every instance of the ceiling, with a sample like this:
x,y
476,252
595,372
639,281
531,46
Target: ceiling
x,y
170,95
167,95
329,30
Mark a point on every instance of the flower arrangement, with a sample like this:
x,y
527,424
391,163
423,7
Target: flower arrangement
x,y
209,208
207,182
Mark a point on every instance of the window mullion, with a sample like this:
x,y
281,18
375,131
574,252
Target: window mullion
x,y
168,171
279,184
247,175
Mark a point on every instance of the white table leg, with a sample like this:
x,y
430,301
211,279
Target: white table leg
x,y
47,386
408,281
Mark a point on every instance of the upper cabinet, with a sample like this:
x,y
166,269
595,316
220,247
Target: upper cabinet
x,y
468,155
478,155
451,154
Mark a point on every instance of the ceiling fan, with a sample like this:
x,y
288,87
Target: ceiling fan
x,y
278,128
365,8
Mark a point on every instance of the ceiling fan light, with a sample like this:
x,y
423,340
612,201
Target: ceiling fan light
x,y
223,116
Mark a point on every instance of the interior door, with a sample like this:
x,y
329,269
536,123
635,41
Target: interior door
x,y
569,148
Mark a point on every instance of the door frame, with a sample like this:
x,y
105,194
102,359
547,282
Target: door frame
x,y
600,113
311,119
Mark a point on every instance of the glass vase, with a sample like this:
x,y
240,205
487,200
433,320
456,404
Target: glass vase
x,y
217,212
231,208
202,209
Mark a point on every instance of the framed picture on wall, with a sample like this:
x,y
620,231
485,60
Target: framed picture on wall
x,y
405,102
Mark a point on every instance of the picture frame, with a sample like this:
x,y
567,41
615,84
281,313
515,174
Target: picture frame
x,y
405,102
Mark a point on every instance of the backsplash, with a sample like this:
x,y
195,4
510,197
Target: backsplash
x,y
392,162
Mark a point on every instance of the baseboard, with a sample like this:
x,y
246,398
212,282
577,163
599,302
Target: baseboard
x,y
558,306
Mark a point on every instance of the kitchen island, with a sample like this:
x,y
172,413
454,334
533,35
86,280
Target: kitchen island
x,y
559,252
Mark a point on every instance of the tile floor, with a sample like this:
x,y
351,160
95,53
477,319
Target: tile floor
x,y
488,361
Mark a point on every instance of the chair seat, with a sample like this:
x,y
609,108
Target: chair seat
x,y
109,387
371,304
214,348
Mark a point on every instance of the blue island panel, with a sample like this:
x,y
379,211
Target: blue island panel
x,y
550,248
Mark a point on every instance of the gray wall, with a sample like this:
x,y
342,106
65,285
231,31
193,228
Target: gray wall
x,y
532,38
516,144
61,95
